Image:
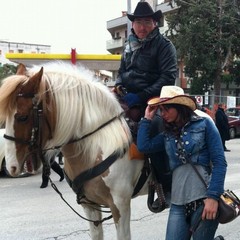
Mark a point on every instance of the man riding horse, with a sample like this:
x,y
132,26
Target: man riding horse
x,y
148,63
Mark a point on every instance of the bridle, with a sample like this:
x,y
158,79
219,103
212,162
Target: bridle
x,y
37,117
35,141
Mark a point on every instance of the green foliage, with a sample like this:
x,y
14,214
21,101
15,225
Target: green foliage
x,y
7,70
235,71
197,88
207,37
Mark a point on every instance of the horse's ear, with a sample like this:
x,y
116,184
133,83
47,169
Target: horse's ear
x,y
21,69
36,79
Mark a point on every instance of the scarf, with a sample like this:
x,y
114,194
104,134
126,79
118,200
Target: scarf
x,y
134,43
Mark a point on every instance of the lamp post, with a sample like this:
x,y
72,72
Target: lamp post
x,y
129,24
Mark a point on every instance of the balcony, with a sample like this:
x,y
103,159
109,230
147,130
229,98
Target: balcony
x,y
117,23
115,44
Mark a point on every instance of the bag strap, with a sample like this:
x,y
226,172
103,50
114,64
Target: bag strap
x,y
197,172
188,160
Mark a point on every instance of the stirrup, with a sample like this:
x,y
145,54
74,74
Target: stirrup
x,y
156,187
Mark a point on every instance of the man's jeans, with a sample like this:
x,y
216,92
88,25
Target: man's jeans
x,y
179,229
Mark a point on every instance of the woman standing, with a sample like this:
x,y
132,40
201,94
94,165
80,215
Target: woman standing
x,y
187,138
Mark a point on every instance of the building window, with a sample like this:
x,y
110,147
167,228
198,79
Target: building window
x,y
117,35
20,50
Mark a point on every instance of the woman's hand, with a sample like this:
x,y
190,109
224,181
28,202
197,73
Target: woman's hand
x,y
150,112
210,209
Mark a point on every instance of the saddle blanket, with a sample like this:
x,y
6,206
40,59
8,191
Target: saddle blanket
x,y
134,153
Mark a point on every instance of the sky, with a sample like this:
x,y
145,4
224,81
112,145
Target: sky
x,y
63,24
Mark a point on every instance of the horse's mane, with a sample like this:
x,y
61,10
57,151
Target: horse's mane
x,y
8,95
82,105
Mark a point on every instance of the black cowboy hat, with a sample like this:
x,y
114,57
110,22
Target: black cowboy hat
x,y
143,10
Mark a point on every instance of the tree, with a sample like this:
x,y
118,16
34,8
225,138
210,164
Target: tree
x,y
207,37
235,72
7,70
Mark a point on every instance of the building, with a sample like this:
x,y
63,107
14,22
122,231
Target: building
x,y
17,47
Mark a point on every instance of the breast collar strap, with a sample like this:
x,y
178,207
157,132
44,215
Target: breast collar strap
x,y
78,182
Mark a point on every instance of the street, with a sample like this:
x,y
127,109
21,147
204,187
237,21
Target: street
x,y
31,213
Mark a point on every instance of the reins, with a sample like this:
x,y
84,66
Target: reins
x,y
77,185
90,133
95,222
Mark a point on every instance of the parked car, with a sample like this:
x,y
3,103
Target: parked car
x,y
234,121
3,169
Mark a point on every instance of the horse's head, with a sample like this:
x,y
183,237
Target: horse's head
x,y
22,110
62,105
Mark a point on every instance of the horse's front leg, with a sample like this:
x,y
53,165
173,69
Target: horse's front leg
x,y
95,231
121,215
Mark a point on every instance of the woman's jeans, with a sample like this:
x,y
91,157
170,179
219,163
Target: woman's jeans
x,y
178,227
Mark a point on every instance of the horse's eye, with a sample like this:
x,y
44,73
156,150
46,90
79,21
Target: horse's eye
x,y
21,118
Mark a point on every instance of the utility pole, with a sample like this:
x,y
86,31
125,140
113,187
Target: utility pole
x,y
129,24
217,80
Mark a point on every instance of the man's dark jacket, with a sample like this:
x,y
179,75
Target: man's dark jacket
x,y
222,124
153,66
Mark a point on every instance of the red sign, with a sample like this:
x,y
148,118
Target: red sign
x,y
199,99
73,56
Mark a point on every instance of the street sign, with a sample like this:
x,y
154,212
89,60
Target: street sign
x,y
199,100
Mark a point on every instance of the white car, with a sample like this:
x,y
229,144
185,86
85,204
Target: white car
x,y
2,157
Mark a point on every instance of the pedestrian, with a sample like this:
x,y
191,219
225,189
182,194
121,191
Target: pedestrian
x,y
222,124
188,139
148,61
56,168
60,157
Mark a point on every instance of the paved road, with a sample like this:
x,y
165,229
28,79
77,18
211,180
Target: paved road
x,y
30,213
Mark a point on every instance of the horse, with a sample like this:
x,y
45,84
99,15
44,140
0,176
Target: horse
x,y
61,106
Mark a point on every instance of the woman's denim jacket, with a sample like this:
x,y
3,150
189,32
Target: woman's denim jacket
x,y
202,143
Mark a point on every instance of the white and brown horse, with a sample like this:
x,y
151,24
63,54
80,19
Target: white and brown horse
x,y
60,106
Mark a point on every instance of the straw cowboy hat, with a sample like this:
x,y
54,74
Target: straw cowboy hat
x,y
144,10
173,95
